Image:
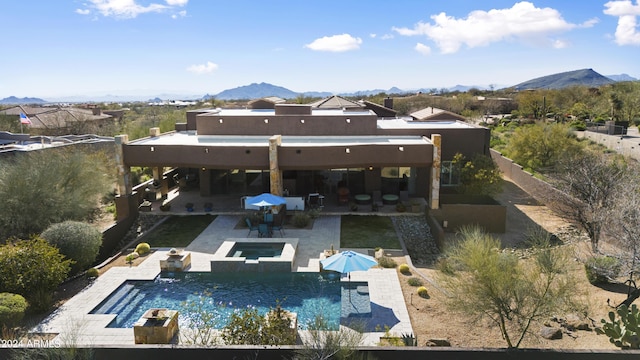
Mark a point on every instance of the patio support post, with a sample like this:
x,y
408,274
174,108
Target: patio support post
x,y
434,194
275,175
124,172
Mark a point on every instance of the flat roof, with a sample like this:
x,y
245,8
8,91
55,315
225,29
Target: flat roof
x,y
400,123
272,112
191,139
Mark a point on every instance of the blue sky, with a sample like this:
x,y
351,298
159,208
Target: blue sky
x,y
194,47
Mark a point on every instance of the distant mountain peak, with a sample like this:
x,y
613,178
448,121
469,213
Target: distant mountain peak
x,y
12,100
584,77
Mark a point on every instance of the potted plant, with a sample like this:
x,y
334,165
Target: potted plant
x,y
165,206
208,206
189,207
400,207
353,206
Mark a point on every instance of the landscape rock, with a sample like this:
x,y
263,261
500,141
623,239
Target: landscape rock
x,y
551,333
438,342
574,322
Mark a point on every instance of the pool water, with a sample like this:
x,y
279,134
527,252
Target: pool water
x,y
251,250
307,294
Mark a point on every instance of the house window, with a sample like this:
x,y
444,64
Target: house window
x,y
449,174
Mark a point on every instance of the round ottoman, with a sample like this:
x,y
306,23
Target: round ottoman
x,y
362,199
389,199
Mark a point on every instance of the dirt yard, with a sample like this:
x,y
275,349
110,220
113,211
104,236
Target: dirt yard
x,y
432,319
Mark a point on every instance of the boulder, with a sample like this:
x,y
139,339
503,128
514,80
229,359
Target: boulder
x,y
438,342
574,322
551,333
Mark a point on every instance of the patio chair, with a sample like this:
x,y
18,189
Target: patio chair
x,y
313,200
279,226
250,226
263,230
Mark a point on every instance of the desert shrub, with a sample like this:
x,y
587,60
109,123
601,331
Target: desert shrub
x,y
93,273
445,266
12,308
143,248
423,292
578,125
314,213
34,269
602,269
300,220
387,262
76,240
404,269
132,256
414,281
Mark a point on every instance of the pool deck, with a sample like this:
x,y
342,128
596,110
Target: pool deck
x,y
75,325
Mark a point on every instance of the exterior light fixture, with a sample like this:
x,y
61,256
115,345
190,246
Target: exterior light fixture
x,y
203,169
348,121
220,121
401,148
347,150
153,149
206,151
370,168
301,121
266,121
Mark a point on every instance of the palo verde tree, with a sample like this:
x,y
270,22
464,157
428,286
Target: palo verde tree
x,y
588,184
512,294
478,176
50,186
539,146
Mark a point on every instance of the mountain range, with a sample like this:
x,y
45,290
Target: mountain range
x,y
585,77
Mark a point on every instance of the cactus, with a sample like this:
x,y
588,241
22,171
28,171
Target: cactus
x,y
623,332
409,339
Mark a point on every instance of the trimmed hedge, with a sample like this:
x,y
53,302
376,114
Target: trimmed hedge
x,y
12,308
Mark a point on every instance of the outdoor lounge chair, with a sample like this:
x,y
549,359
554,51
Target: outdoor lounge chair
x,y
264,230
250,226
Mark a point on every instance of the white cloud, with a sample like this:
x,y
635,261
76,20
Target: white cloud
x,y
423,49
127,9
559,44
523,21
373,36
182,13
177,2
387,36
335,43
207,68
627,31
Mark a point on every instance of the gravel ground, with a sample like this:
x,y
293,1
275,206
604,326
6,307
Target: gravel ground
x,y
416,235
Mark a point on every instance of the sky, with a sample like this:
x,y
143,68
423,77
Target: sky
x,y
196,47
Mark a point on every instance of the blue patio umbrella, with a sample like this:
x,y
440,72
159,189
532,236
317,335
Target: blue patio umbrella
x,y
348,261
267,199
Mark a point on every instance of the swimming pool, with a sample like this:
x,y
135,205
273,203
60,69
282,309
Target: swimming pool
x,y
255,250
307,294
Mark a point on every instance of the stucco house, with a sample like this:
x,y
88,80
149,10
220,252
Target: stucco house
x,y
302,148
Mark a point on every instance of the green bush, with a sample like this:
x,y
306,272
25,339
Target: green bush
x,y
143,248
93,273
423,292
300,220
76,240
387,262
12,308
404,269
34,269
414,281
602,269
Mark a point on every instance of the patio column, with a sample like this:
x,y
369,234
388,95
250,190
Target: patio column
x,y
434,194
124,172
275,175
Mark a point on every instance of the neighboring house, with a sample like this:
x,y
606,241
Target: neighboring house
x,y
435,114
15,143
320,147
266,103
55,121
